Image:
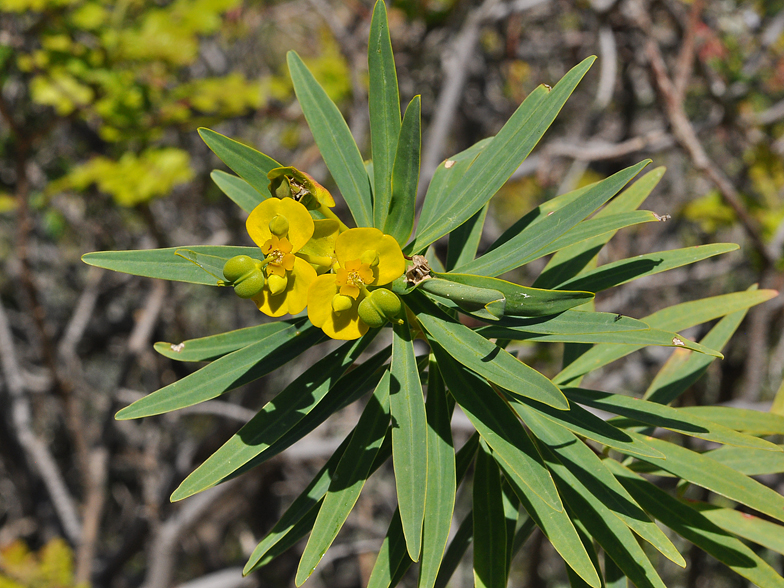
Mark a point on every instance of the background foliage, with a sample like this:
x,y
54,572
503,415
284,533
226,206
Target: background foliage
x,y
100,102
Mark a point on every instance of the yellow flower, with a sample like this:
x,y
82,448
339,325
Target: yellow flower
x,y
281,228
365,257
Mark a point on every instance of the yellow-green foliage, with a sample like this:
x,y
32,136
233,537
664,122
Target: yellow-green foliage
x,y
134,178
50,567
709,212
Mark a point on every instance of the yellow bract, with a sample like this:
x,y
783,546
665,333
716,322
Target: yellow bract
x,y
365,257
299,219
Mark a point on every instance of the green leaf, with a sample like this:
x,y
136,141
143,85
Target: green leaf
x,y
490,564
527,244
645,337
409,437
749,527
571,260
278,416
694,527
674,318
584,465
606,529
500,429
485,358
464,240
657,415
392,556
583,423
441,479
210,264
501,157
752,462
299,518
249,164
224,374
520,300
683,368
240,191
405,174
165,264
613,576
749,421
454,553
215,346
384,105
701,470
350,475
334,140
625,270
573,322
444,181
483,302
559,529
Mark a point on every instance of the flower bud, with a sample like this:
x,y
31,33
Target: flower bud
x,y
381,306
341,303
277,284
279,226
370,258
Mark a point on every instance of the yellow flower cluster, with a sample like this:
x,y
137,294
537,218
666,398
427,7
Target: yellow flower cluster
x,y
312,263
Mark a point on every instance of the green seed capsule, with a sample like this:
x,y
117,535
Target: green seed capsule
x,y
279,225
281,187
381,306
250,284
237,267
341,303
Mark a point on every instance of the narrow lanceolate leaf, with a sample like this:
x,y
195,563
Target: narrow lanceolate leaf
x,y
350,475
657,415
441,479
583,423
485,358
753,422
240,191
592,228
224,374
456,550
500,428
464,240
489,523
445,178
613,576
645,337
409,437
524,246
249,164
384,105
683,368
674,318
521,300
702,471
405,174
571,260
165,264
574,322
215,346
299,518
392,556
694,527
752,462
502,157
334,141
619,272
584,465
559,529
606,529
275,419
762,532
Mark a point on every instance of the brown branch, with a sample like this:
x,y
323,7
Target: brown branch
x,y
685,134
683,66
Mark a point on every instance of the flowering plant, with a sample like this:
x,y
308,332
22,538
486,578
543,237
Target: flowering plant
x,y
541,458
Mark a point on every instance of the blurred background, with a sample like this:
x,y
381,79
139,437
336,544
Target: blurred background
x,y
99,105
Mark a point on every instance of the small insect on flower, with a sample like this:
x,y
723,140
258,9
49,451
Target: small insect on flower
x,y
341,303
